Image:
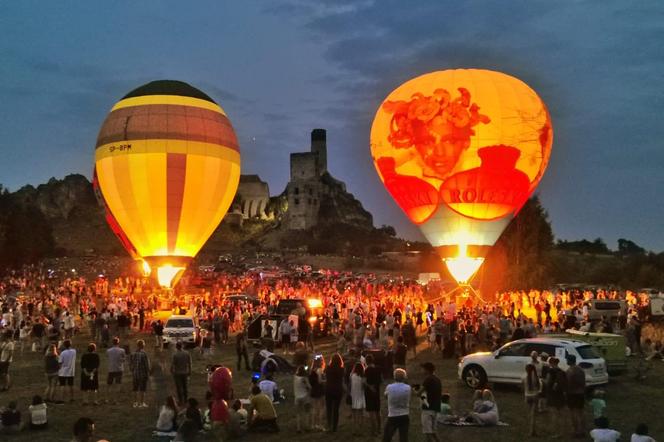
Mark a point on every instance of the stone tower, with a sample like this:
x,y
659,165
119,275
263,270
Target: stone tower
x,y
319,147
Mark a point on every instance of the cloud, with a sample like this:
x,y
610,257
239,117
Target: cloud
x,y
598,68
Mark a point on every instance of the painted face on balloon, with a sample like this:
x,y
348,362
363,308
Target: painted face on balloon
x,y
479,139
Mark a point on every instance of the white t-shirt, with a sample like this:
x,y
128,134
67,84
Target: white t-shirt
x,y
300,387
640,438
268,388
67,362
38,414
398,399
604,435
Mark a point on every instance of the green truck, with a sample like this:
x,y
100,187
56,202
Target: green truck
x,y
612,347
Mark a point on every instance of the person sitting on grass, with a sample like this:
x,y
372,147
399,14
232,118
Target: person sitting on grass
x,y
38,416
485,410
263,416
270,388
641,434
167,420
446,414
193,413
237,421
11,418
84,429
602,432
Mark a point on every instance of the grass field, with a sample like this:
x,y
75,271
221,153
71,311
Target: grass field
x,y
628,402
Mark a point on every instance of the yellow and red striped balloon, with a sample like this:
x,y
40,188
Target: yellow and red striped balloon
x,y
168,165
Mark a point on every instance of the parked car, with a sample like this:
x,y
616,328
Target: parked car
x,y
608,308
181,328
507,364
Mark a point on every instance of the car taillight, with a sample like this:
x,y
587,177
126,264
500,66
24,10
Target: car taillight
x,y
586,365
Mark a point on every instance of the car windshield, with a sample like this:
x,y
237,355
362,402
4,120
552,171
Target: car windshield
x,y
588,352
607,305
179,323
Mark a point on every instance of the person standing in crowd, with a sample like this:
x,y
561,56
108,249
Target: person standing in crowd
x,y
316,380
285,333
140,371
51,367
532,386
181,370
334,390
576,388
241,348
90,375
400,352
158,330
301,395
598,405
6,356
358,402
556,385
430,392
116,359
398,407
67,371
373,379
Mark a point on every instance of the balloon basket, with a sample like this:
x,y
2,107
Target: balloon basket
x,y
463,291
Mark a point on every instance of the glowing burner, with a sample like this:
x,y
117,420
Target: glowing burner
x,y
167,273
463,267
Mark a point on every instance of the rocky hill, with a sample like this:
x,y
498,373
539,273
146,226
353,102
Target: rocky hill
x,y
79,227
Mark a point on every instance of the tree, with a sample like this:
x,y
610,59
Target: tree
x,y
520,258
388,230
627,247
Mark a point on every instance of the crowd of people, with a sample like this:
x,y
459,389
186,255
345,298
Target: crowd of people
x,y
44,314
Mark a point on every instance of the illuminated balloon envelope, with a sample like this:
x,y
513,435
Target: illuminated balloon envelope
x,y
167,163
460,151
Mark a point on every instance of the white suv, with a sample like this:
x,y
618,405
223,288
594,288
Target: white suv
x,y
181,328
507,364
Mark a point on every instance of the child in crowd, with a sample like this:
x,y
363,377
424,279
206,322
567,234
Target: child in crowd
x,y
446,416
598,405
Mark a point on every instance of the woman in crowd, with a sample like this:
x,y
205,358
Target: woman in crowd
x,y
532,386
51,367
372,381
301,393
167,420
485,410
90,375
358,403
334,390
38,416
317,392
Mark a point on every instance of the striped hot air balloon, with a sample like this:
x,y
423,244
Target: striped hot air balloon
x,y
167,162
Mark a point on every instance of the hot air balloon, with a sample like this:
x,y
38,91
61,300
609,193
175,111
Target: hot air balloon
x,y
460,151
167,164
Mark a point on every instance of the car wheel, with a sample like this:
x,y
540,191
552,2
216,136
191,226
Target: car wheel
x,y
474,376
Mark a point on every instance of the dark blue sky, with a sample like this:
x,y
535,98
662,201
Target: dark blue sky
x,y
281,68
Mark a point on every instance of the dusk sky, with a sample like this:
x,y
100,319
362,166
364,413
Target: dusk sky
x,y
282,68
